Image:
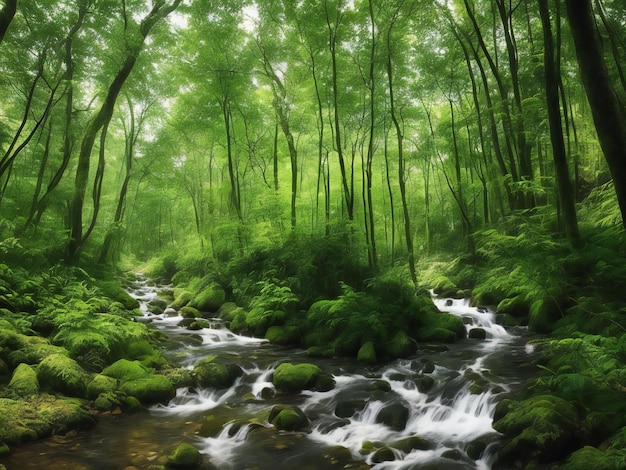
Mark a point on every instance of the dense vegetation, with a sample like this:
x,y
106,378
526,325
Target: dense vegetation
x,y
302,169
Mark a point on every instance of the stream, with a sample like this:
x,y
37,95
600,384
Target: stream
x,y
454,416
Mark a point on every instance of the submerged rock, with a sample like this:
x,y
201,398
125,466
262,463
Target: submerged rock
x,y
394,415
209,373
347,408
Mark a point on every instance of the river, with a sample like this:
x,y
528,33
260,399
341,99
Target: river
x,y
453,417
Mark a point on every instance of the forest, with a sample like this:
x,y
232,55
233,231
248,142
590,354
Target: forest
x,y
313,174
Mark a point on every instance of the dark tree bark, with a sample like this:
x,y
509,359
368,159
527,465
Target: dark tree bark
x,y
608,116
564,185
6,16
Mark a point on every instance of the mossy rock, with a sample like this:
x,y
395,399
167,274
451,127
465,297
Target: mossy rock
x,y
384,454
259,320
395,415
199,324
239,322
515,306
211,425
411,443
379,385
295,378
401,345
179,377
444,287
182,299
210,299
33,350
124,369
289,418
487,296
283,335
589,457
367,354
190,312
157,306
62,374
227,311
101,384
209,373
347,408
106,401
141,349
320,337
24,381
41,416
185,456
150,389
425,383
430,334
477,333
447,321
542,428
116,293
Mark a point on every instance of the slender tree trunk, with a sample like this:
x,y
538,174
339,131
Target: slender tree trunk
x,y
101,119
607,113
401,171
370,145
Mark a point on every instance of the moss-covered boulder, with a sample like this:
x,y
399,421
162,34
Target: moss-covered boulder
x,y
429,334
425,383
444,287
227,311
124,369
367,353
101,384
210,299
185,456
41,416
516,306
543,428
190,312
210,373
149,389
288,418
384,454
412,443
258,320
24,381
590,457
114,291
283,335
32,350
295,378
347,408
60,373
182,299
401,345
157,306
395,415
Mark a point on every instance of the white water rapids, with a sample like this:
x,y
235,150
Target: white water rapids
x,y
454,415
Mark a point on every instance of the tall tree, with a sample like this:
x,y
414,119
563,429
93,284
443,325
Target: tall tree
x,y
137,35
564,185
608,114
6,16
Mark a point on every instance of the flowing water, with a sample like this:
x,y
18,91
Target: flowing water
x,y
453,417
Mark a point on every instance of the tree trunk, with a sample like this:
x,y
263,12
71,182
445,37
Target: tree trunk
x,y
6,16
608,116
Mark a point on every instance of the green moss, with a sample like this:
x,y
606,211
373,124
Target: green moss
x,y
209,373
116,293
185,456
190,312
543,427
210,299
283,335
288,418
436,335
62,374
515,306
100,384
239,322
124,369
24,381
401,345
39,417
106,401
150,389
295,378
444,287
367,353
33,350
228,310
182,299
590,457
